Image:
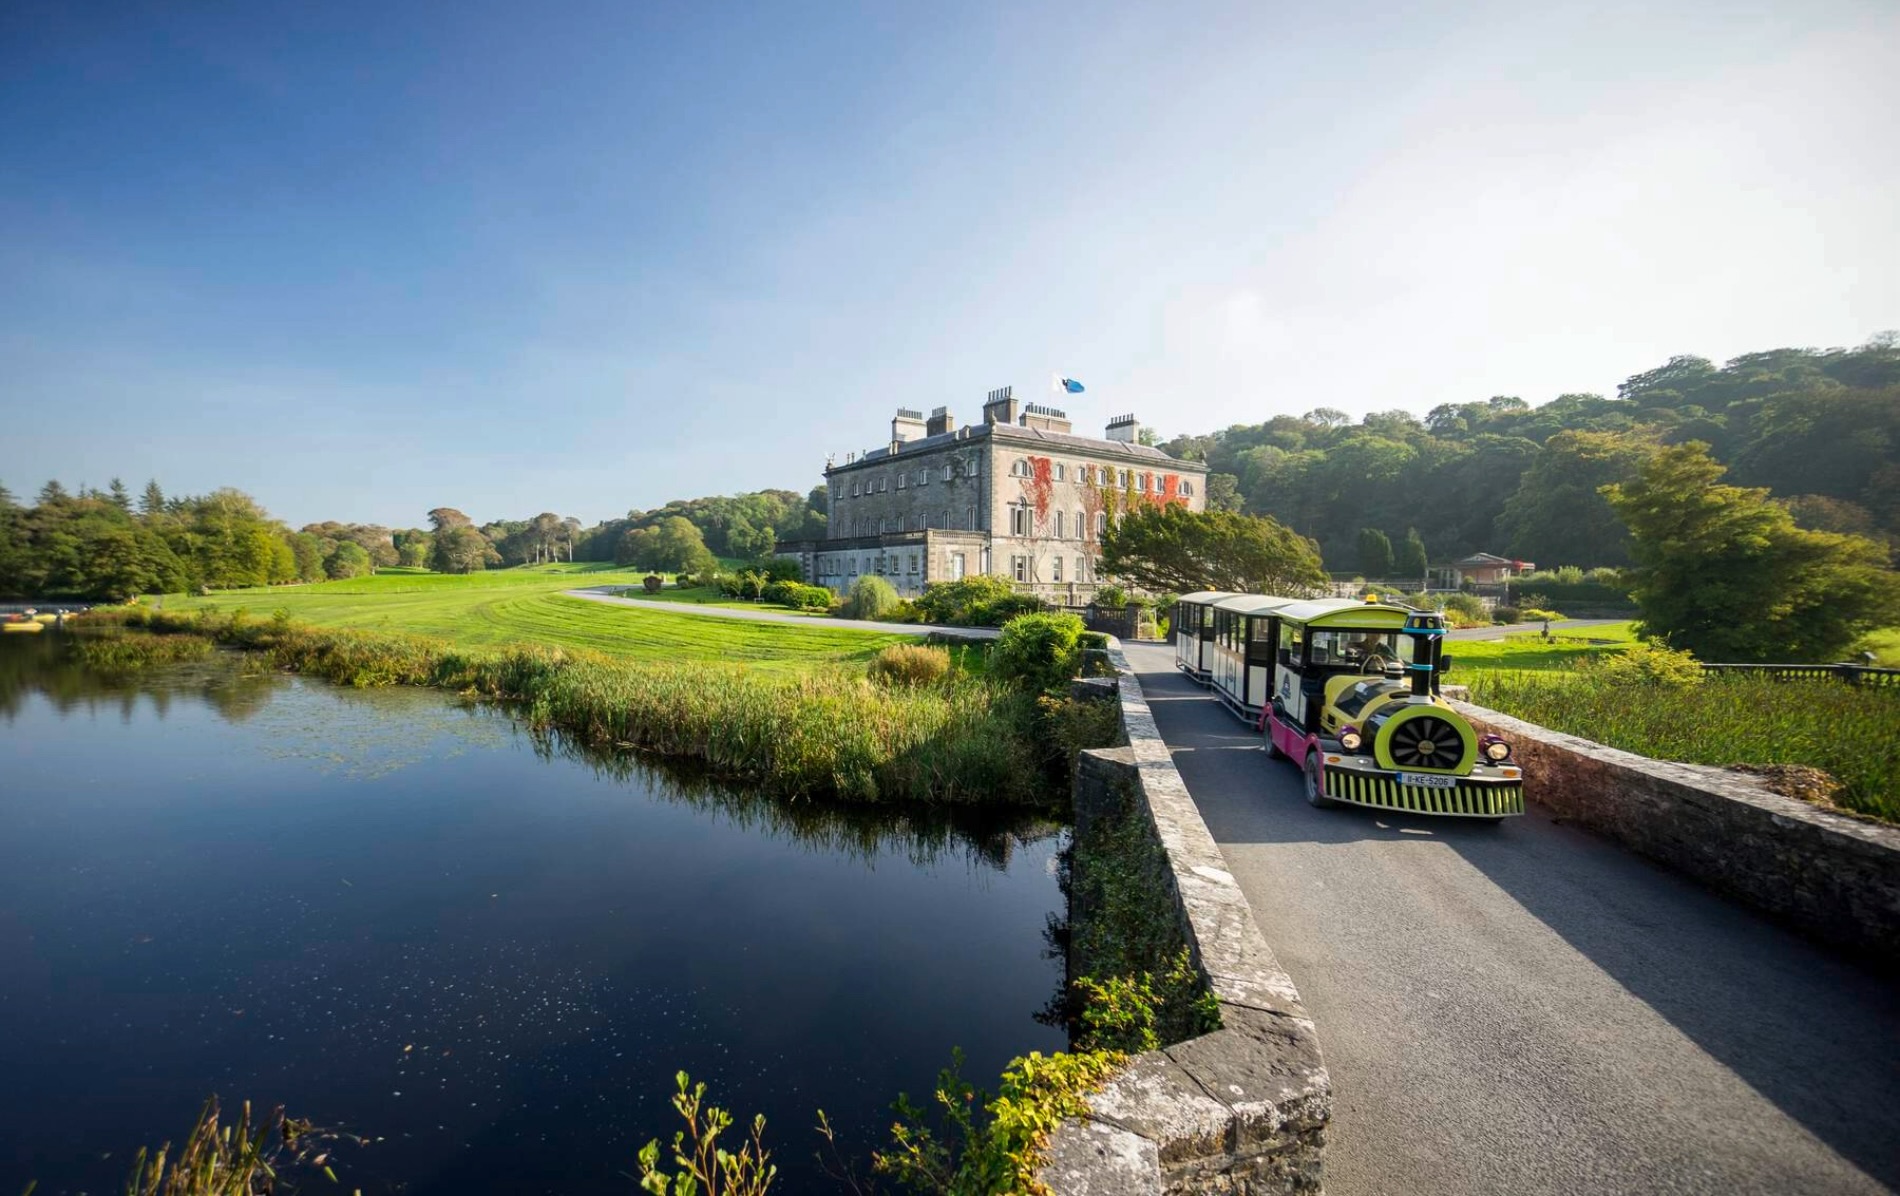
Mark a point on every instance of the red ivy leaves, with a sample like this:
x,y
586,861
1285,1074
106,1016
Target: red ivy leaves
x,y
1039,486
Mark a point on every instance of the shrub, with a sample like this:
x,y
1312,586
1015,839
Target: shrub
x,y
1505,614
909,664
781,568
905,612
1466,610
963,602
870,597
1537,614
1651,663
652,582
797,595
1000,612
1038,651
1111,596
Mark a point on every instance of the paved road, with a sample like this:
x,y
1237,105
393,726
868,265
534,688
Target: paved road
x,y
778,616
1527,1009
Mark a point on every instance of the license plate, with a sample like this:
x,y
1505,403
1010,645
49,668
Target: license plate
x,y
1428,780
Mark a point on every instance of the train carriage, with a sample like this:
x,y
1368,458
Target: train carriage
x,y
1356,704
1193,626
1243,640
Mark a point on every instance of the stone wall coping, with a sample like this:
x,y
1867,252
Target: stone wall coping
x,y
1831,875
1222,1111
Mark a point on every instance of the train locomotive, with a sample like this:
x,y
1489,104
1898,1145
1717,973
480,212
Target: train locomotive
x,y
1350,692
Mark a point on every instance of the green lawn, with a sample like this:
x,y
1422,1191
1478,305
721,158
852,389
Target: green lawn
x,y
1528,650
1885,645
525,605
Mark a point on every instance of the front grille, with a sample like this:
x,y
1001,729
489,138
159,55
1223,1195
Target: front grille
x,y
1426,742
1484,801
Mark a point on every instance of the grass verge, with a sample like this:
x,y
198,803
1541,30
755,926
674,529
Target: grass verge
x,y
826,734
1850,732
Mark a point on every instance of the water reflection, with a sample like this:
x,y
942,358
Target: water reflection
x,y
489,947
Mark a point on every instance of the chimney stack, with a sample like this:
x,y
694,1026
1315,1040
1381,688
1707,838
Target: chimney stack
x,y
907,425
1000,407
941,422
1048,419
1123,428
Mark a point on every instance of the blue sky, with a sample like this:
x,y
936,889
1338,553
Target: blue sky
x,y
365,260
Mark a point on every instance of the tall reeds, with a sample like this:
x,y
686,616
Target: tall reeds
x,y
828,733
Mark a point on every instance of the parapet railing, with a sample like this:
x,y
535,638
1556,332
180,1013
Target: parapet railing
x,y
1853,674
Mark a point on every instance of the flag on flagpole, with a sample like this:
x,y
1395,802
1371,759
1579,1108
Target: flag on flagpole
x,y
1068,386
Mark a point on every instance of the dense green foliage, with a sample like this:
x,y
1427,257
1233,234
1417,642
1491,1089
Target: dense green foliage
x,y
978,600
870,597
1725,573
746,526
1041,652
1851,732
1172,550
1503,476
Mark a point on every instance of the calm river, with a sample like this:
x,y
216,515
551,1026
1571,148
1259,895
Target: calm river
x,y
393,912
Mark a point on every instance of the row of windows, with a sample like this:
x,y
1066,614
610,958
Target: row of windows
x,y
1021,569
907,478
1022,522
867,525
1099,475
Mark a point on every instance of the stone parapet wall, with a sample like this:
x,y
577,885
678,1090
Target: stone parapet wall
x,y
1243,1109
1831,876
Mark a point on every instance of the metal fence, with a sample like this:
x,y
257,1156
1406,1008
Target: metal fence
x,y
1853,674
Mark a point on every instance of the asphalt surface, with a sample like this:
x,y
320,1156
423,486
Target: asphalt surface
x,y
775,616
1526,1008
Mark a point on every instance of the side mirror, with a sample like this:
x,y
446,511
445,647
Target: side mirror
x,y
1286,658
1444,664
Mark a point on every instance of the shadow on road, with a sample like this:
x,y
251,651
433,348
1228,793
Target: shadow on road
x,y
1814,1033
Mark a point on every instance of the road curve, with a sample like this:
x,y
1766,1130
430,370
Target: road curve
x,y
1528,1009
778,616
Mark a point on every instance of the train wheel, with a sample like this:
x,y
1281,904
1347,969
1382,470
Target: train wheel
x,y
1315,789
1273,749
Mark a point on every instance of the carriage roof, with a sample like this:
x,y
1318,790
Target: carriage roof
x,y
1205,597
1252,604
1344,612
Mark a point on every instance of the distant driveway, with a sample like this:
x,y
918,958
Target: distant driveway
x,y
599,594
1498,633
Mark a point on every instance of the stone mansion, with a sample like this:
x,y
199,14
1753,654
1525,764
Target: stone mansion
x,y
1018,495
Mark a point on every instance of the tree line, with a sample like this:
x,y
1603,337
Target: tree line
x,y
1818,428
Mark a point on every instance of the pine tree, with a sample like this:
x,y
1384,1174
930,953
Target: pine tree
x,y
153,501
53,492
119,496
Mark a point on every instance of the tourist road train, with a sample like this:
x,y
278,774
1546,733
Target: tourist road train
x,y
1350,692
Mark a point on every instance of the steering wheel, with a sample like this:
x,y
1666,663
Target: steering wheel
x,y
1377,662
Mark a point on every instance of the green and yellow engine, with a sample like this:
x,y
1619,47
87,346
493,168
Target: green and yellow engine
x,y
1396,744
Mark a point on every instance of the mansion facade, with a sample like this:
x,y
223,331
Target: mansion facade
x,y
1017,496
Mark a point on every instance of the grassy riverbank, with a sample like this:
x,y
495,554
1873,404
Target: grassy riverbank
x,y
526,606
827,733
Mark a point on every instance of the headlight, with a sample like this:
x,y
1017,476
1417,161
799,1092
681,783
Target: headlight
x,y
1494,749
1349,738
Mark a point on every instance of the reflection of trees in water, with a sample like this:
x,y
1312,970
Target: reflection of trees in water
x,y
925,834
236,690
43,664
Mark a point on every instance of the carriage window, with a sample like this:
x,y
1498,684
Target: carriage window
x,y
1352,647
